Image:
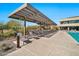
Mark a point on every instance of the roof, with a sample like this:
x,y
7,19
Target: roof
x,y
70,18
28,13
73,24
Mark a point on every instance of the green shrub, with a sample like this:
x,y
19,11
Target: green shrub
x,y
8,34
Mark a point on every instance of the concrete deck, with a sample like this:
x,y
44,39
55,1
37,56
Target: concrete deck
x,y
61,44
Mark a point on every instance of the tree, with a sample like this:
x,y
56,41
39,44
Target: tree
x,y
1,27
12,24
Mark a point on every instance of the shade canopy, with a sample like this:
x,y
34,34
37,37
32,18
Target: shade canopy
x,y
28,13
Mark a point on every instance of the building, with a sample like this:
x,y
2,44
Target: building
x,y
70,23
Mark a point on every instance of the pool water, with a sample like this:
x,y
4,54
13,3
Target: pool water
x,y
75,35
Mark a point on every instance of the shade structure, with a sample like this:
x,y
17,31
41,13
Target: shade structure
x,y
28,13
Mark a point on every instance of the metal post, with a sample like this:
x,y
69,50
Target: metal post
x,y
25,28
18,42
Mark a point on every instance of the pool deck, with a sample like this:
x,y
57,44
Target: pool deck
x,y
61,44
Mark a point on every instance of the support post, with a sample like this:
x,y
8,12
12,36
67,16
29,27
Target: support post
x,y
25,28
68,28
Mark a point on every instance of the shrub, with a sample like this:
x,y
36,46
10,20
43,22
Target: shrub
x,y
9,33
6,47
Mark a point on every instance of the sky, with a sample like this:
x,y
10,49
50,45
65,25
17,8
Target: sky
x,y
54,11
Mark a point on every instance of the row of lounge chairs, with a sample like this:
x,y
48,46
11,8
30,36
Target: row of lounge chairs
x,y
40,33
36,34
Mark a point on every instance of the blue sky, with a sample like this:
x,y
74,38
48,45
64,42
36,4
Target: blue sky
x,y
55,11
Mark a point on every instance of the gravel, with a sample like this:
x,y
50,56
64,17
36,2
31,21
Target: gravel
x,y
6,46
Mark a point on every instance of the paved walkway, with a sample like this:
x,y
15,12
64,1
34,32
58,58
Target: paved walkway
x,y
59,44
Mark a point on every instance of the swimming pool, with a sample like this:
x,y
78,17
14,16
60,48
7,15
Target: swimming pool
x,y
75,35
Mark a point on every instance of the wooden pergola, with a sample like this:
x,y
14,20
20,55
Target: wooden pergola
x,y
28,13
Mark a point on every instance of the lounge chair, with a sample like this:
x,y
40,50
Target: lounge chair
x,y
33,34
25,40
